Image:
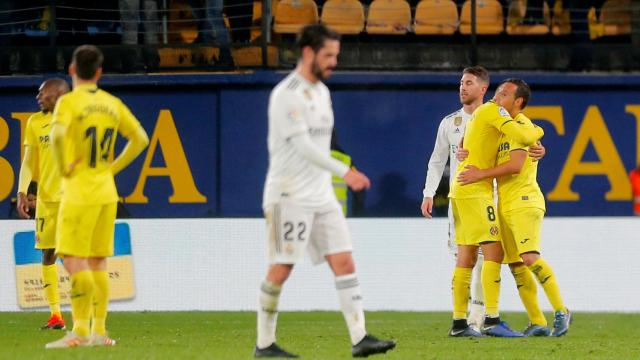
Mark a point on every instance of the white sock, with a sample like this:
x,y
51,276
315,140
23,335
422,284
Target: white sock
x,y
351,305
476,309
267,314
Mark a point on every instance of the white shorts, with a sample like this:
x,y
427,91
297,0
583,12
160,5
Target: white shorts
x,y
292,228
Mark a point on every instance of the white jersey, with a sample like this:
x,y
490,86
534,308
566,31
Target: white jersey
x,y
297,106
450,133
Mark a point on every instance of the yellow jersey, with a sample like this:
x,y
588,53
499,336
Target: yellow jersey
x,y
37,138
482,138
518,190
93,119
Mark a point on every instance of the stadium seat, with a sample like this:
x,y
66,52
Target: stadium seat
x,y
180,29
436,17
392,17
489,18
561,20
343,16
616,17
292,15
517,13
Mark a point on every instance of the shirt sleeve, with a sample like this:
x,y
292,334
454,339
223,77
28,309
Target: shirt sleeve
x,y
62,113
128,122
517,130
437,162
288,115
30,136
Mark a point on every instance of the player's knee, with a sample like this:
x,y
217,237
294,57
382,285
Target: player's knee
x,y
530,258
279,273
515,266
48,256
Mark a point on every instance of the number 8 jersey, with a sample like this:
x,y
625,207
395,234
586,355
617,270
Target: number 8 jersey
x,y
93,119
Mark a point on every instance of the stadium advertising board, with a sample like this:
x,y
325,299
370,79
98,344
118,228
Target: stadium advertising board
x,y
208,157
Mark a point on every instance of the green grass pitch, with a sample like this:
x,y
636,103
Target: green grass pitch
x,y
318,335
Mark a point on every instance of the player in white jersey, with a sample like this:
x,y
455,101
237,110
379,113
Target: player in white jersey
x,y
300,206
450,132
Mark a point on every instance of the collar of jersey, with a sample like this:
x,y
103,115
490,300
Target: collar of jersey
x,y
86,87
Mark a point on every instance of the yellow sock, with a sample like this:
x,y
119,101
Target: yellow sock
x,y
460,289
82,289
491,287
528,291
100,302
547,279
50,278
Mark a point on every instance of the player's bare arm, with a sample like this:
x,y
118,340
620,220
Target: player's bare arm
x,y
472,174
356,180
26,174
427,207
137,142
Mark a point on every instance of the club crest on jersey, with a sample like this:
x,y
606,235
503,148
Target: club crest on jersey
x,y
503,112
457,121
494,230
293,115
307,94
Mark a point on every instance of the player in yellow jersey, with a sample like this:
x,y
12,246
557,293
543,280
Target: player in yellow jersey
x,y
85,125
475,217
38,160
521,209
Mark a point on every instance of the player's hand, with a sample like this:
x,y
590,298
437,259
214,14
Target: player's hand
x,y
462,154
537,151
23,206
427,207
69,170
356,180
470,175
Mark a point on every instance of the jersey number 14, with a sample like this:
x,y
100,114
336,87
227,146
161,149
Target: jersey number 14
x,y
105,144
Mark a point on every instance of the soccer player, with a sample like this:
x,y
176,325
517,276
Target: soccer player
x,y
521,208
301,210
473,86
85,126
475,218
38,159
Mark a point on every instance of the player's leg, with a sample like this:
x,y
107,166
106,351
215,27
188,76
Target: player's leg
x,y
461,280
526,284
73,243
102,248
476,308
288,229
46,219
330,240
528,241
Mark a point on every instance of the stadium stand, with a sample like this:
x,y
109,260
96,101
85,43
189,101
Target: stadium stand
x,y
436,17
343,16
489,18
291,15
389,17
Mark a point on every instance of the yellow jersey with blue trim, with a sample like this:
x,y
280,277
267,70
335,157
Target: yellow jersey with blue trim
x,y
518,190
482,138
93,118
38,140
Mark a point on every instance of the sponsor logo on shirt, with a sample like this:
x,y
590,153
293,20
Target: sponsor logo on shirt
x,y
320,131
457,121
503,112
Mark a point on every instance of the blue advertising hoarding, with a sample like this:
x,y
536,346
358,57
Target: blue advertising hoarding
x,y
208,157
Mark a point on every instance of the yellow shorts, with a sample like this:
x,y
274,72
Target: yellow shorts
x,y
520,232
475,221
86,230
46,220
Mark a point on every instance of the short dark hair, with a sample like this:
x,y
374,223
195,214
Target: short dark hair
x,y
314,35
479,72
88,60
522,90
59,83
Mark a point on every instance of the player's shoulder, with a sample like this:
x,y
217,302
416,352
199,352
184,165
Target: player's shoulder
x,y
491,109
288,89
107,96
522,118
454,117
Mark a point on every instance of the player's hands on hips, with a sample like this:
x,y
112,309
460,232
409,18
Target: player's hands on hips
x,y
427,207
462,154
537,151
23,206
356,180
470,175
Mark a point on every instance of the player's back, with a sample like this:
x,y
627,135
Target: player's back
x,y
93,117
481,138
522,189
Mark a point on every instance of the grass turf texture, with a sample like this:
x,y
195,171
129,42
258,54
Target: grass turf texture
x,y
318,335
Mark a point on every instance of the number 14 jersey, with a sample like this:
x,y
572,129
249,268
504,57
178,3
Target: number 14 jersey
x,y
93,119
